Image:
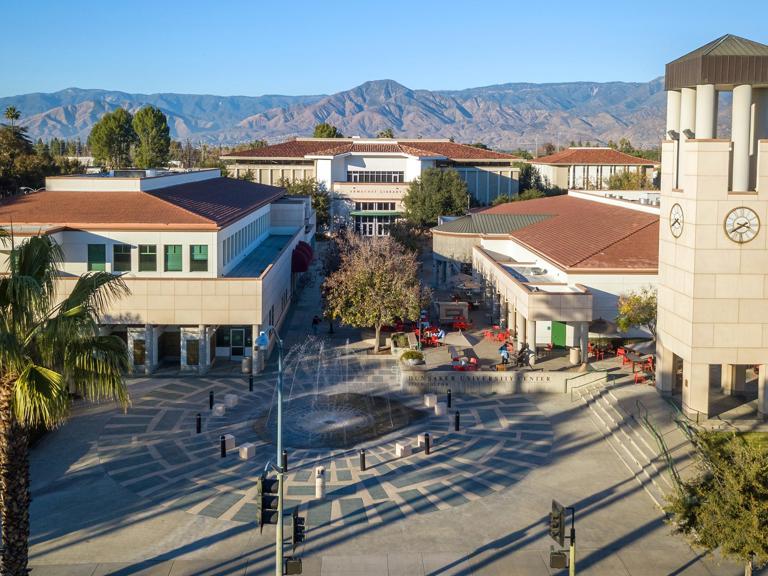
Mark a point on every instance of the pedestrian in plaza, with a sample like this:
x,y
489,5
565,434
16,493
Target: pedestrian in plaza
x,y
315,324
504,354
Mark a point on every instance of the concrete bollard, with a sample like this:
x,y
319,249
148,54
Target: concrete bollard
x,y
319,483
362,459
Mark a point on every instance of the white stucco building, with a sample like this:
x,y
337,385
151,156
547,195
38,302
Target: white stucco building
x,y
551,266
368,178
589,168
209,260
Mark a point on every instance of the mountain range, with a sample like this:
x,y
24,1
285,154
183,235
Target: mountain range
x,y
504,116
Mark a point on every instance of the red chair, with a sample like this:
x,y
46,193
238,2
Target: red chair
x,y
501,337
473,364
488,335
621,353
639,377
599,354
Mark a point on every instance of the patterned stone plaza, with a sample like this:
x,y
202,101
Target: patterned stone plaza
x,y
154,451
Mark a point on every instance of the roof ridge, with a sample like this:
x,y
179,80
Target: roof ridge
x,y
621,239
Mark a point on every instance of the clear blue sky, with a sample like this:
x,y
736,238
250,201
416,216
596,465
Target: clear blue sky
x,y
255,47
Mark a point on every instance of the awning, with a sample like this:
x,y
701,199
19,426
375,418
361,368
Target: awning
x,y
301,257
375,213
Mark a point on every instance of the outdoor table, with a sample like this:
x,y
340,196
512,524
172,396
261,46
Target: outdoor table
x,y
635,358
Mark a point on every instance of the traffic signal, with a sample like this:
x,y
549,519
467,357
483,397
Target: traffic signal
x,y
267,499
297,534
557,523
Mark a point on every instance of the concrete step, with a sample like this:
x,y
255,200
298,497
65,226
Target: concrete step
x,y
615,430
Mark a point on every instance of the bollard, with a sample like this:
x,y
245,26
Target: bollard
x,y
250,383
426,443
319,483
210,400
284,461
198,423
449,397
456,421
223,447
362,459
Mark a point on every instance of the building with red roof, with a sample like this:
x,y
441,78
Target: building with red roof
x,y
209,261
590,168
368,178
553,265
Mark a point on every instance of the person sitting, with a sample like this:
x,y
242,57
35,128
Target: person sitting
x,y
523,357
440,335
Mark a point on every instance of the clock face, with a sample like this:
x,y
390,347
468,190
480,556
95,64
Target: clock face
x,y
676,220
741,224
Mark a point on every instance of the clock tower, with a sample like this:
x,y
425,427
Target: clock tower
x,y
713,246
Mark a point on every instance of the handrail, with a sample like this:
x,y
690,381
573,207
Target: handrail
x,y
600,376
663,449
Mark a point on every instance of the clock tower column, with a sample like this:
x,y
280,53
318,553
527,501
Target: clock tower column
x,y
713,247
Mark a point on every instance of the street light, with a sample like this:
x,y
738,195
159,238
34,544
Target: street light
x,y
263,342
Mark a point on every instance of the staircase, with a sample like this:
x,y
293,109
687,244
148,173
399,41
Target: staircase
x,y
640,428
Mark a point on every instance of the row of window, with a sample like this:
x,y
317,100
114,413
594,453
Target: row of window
x,y
375,206
375,176
373,225
172,257
240,240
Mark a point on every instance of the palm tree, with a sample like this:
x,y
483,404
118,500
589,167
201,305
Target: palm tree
x,y
49,347
12,114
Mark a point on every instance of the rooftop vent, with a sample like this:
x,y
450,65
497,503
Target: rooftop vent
x,y
536,271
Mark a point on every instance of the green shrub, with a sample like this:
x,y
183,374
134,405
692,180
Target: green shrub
x,y
399,340
412,355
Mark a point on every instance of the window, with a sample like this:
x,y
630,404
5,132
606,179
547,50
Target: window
x,y
97,257
173,258
147,258
198,258
121,258
374,176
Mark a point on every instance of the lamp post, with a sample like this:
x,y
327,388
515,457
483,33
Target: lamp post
x,y
263,342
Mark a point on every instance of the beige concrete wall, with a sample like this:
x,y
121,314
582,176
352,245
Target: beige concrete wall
x,y
455,248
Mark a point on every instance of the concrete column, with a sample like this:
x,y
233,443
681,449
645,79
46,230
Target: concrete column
x,y
520,328
204,358
758,130
584,341
733,378
571,334
530,331
665,370
687,111
148,349
504,320
740,129
762,392
696,390
706,111
673,111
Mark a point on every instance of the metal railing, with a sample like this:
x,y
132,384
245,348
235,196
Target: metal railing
x,y
598,378
662,445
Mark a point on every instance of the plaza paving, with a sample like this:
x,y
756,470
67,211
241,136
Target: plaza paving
x,y
142,494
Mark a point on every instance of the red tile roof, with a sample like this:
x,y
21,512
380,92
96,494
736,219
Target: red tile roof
x,y
592,157
332,147
208,204
582,234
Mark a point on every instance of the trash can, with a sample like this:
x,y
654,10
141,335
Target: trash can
x,y
575,356
247,364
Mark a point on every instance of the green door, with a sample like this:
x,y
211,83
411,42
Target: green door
x,y
558,334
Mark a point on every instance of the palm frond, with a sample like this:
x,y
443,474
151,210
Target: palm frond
x,y
39,396
11,352
92,294
96,367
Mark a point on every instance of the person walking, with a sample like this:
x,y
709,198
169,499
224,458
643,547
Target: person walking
x,y
504,354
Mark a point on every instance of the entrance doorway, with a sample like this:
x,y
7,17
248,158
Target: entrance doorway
x,y
139,352
237,342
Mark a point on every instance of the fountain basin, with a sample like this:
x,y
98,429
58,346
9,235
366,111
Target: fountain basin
x,y
337,421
